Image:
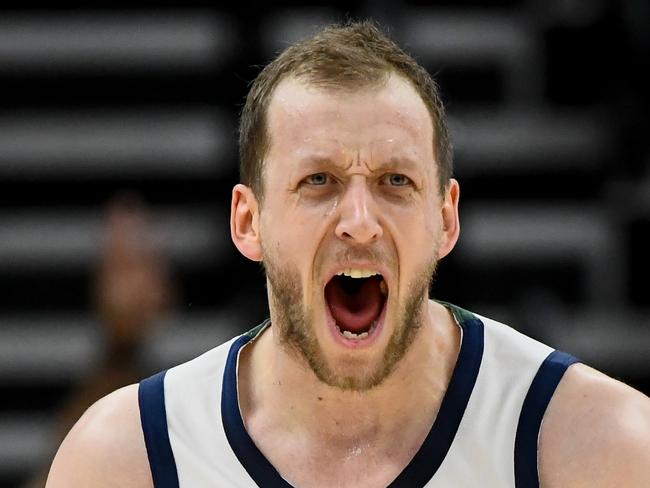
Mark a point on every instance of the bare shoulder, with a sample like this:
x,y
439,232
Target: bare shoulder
x,y
105,448
596,433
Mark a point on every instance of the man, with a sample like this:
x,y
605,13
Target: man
x,y
358,379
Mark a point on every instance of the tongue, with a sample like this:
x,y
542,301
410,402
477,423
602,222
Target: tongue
x,y
354,311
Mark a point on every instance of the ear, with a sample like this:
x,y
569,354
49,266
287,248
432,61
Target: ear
x,y
450,221
244,222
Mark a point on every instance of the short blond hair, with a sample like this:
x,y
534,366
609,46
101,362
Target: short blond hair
x,y
346,57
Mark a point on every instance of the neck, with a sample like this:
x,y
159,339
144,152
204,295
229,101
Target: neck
x,y
280,393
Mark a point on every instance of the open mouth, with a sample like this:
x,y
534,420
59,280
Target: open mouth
x,y
356,300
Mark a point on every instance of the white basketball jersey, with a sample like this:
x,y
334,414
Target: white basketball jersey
x,y
485,434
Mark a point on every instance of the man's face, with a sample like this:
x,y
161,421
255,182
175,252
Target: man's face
x,y
351,188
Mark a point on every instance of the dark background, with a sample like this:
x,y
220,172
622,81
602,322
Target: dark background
x,y
548,106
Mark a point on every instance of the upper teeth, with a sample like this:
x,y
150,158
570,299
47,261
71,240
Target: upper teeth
x,y
357,273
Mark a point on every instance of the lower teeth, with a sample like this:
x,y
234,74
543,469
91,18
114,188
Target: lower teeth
x,y
351,335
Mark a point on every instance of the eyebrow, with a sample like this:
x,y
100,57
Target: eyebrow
x,y
393,162
314,160
401,162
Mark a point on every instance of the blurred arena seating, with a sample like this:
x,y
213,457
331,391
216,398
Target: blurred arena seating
x,y
548,105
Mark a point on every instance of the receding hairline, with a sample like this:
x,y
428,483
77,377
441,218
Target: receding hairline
x,y
346,58
332,87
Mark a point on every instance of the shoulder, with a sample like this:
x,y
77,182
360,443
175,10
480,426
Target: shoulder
x,y
596,433
105,448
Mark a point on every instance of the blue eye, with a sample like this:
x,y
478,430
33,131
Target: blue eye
x,y
397,179
317,179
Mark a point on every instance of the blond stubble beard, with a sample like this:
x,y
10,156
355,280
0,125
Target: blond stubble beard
x,y
296,333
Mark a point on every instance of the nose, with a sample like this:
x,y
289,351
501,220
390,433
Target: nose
x,y
358,222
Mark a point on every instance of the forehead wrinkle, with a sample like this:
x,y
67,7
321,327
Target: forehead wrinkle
x,y
357,162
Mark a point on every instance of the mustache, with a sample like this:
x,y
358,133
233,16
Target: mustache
x,y
350,254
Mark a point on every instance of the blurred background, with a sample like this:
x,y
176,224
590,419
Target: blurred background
x,y
118,153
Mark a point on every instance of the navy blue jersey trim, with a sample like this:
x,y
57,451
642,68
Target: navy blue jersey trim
x,y
151,399
434,449
258,467
427,460
537,399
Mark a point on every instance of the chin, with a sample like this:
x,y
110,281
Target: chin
x,y
361,365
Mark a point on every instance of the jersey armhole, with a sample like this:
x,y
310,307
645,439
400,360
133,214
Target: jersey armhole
x,y
153,415
532,413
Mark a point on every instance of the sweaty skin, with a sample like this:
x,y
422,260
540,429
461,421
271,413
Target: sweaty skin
x,y
352,177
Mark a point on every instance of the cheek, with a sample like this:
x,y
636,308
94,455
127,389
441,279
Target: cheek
x,y
416,222
314,209
294,236
330,209
432,222
417,235
306,225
